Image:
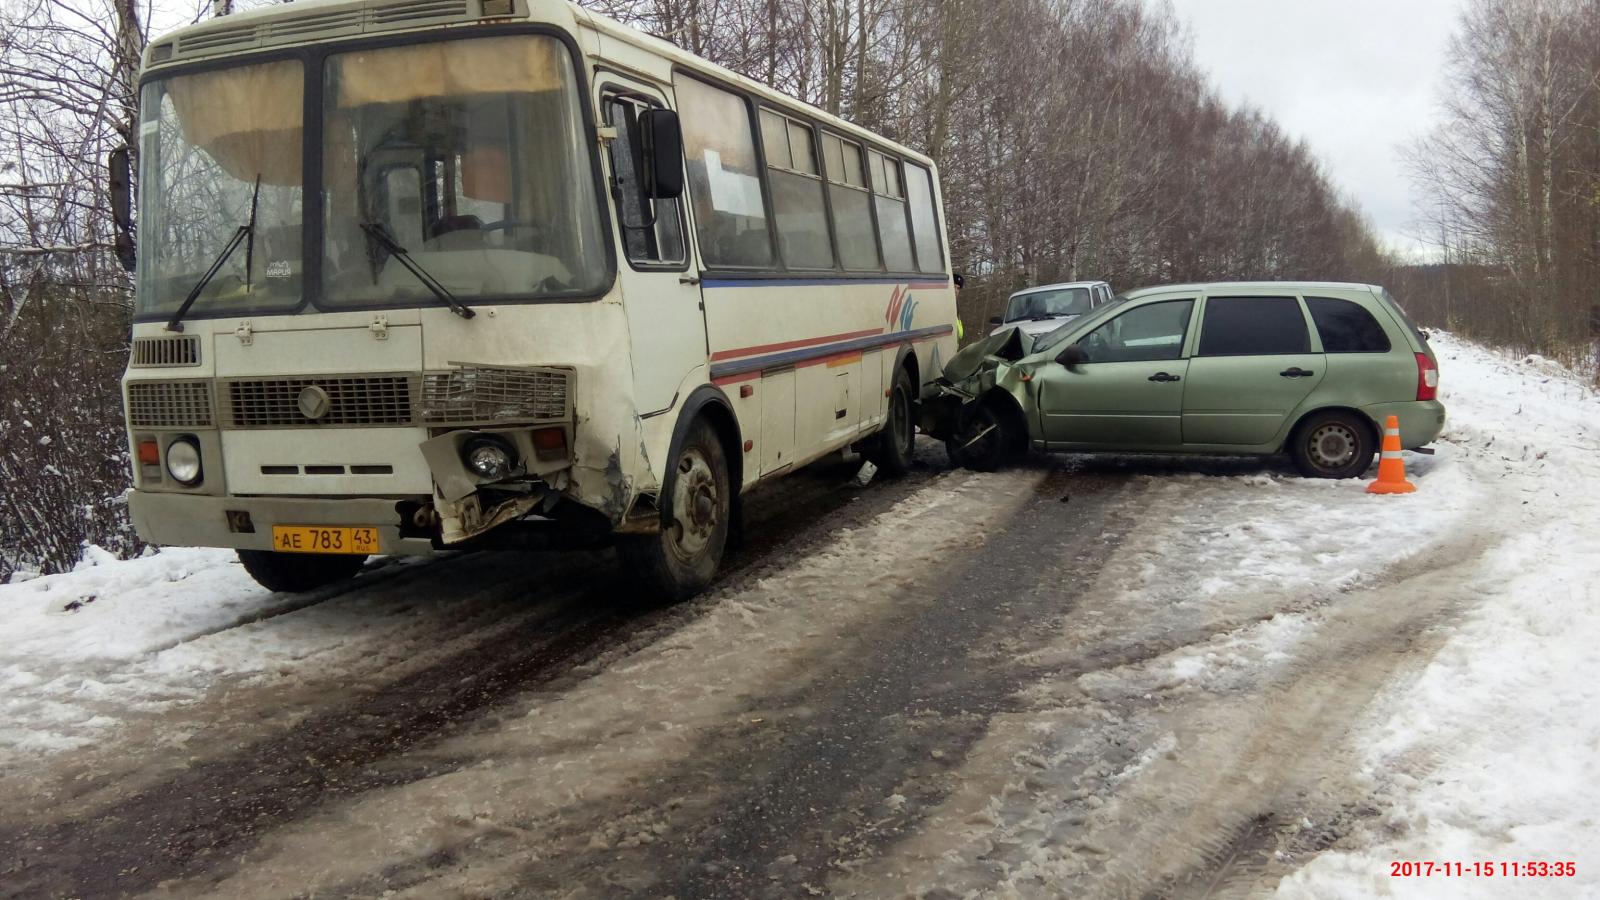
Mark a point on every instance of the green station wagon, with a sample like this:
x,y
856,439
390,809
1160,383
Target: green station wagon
x,y
1308,369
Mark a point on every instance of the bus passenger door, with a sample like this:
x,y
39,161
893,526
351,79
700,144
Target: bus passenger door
x,y
666,321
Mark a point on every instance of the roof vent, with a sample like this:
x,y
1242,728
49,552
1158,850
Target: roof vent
x,y
311,26
215,39
409,11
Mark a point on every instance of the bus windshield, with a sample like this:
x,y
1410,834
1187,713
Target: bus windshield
x,y
199,162
1047,304
468,154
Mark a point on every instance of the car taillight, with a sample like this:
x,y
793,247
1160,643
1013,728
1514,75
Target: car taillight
x,y
1427,378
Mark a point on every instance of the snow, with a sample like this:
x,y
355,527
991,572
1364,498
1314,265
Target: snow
x,y
1486,749
1493,752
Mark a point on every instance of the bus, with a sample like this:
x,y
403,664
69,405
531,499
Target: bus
x,y
414,275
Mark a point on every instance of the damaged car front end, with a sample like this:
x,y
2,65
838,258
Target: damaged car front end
x,y
977,405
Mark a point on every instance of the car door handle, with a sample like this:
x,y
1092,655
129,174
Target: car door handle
x,y
1162,376
1296,372
688,279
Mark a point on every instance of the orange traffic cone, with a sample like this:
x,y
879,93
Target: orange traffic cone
x,y
1391,468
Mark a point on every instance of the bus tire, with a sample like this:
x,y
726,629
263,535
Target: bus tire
x,y
682,558
893,448
297,572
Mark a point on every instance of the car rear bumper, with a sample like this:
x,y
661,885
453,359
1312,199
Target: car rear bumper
x,y
190,520
1421,421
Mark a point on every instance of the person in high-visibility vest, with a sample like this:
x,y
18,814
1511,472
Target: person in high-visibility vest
x,y
961,330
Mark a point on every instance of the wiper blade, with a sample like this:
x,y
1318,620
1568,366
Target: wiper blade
x,y
377,232
247,230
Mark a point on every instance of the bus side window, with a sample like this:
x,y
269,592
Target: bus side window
x,y
925,222
889,199
660,243
725,184
850,202
797,199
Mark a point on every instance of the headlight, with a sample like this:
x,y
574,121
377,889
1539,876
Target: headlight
x,y
183,461
489,457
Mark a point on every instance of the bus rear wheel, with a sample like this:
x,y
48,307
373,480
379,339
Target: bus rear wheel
x,y
682,559
297,572
892,448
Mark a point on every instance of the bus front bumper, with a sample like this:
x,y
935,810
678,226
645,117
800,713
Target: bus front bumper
x,y
190,520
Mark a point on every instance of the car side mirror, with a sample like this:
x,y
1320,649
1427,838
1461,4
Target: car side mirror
x,y
995,320
662,138
1072,356
121,196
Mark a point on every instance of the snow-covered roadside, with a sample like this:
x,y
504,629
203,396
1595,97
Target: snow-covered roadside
x,y
1250,590
1493,753
68,637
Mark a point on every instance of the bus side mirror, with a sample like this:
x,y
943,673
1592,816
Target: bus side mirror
x,y
1072,356
121,194
994,320
663,154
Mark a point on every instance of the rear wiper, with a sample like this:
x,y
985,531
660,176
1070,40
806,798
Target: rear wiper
x,y
247,230
377,232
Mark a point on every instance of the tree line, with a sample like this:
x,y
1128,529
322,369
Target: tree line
x,y
1508,186
1077,139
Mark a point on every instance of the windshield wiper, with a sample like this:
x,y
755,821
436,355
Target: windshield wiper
x,y
247,230
377,232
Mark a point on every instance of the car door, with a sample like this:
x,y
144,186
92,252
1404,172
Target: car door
x,y
666,323
1251,368
1128,391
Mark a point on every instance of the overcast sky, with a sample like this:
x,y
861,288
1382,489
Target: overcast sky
x,y
1355,78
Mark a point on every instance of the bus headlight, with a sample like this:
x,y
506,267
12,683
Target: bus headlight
x,y
489,457
183,461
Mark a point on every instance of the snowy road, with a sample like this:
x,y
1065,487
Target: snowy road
x,y
1099,676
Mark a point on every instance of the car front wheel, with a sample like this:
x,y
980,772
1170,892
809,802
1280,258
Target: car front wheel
x,y
1333,445
986,440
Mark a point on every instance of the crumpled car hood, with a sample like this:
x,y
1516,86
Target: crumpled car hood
x,y
1007,344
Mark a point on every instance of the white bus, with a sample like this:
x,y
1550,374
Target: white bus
x,y
423,274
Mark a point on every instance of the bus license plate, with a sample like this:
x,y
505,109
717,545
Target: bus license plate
x,y
324,539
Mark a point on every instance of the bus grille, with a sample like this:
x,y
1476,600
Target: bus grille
x,y
486,394
169,404
165,351
352,401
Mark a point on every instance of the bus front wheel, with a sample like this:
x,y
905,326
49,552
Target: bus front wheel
x,y
297,572
681,560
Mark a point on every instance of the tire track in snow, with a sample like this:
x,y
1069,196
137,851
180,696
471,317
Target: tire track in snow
x,y
187,821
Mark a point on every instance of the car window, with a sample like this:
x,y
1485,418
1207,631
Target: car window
x,y
1346,326
1038,304
1153,331
1253,326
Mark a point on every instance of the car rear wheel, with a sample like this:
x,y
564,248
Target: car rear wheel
x,y
297,572
682,558
1333,445
892,448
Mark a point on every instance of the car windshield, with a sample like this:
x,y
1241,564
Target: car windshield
x,y
1054,302
204,141
468,153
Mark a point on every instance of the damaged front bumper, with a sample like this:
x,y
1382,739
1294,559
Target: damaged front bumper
x,y
979,368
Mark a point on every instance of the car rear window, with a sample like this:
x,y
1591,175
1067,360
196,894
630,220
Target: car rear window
x,y
1346,326
1253,326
